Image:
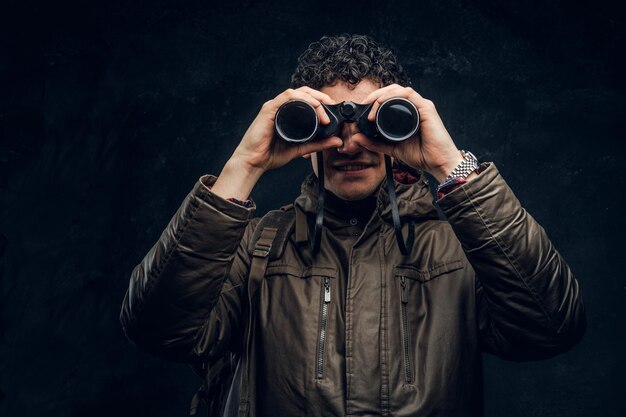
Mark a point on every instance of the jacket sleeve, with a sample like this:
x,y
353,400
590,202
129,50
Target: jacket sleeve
x,y
529,304
186,296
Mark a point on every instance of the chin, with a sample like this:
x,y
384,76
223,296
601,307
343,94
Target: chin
x,y
352,193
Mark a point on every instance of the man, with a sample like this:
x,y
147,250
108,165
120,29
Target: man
x,y
357,329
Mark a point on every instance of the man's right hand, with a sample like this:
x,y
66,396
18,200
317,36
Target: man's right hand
x,y
260,150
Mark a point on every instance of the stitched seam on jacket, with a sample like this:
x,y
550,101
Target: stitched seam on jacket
x,y
513,262
416,273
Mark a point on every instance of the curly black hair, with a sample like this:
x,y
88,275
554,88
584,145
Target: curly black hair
x,y
348,58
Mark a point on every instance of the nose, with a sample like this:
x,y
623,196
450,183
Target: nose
x,y
349,147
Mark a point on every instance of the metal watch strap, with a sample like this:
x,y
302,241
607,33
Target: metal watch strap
x,y
467,165
462,171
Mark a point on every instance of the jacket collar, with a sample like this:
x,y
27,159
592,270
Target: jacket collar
x,y
415,201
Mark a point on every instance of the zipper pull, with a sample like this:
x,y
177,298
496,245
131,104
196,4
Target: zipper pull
x,y
326,290
405,293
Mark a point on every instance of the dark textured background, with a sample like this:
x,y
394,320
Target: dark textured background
x,y
110,110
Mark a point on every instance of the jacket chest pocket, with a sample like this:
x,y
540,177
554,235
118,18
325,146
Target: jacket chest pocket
x,y
409,280
305,294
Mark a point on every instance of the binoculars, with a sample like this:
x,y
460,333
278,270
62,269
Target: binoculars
x,y
397,119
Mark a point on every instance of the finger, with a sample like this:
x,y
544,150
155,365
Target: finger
x,y
291,94
271,107
374,145
404,92
319,145
377,93
381,95
324,98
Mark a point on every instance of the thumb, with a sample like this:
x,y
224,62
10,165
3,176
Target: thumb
x,y
319,145
373,145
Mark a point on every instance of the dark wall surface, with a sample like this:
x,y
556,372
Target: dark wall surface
x,y
111,110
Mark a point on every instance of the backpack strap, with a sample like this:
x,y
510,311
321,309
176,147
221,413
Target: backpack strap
x,y
268,243
283,221
260,256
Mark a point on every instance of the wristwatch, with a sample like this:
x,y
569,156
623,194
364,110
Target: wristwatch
x,y
468,165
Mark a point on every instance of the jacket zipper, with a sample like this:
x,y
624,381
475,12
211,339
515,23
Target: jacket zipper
x,y
321,341
408,375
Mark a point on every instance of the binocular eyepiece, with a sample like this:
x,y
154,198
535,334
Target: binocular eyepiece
x,y
397,119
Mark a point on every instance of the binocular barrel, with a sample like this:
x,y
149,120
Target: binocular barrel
x,y
397,119
296,121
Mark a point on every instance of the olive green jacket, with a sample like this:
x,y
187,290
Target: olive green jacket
x,y
360,330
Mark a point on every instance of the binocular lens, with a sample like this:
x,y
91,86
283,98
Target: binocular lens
x,y
397,119
296,121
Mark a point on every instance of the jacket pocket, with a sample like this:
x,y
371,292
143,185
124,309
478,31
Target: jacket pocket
x,y
311,289
405,276
427,273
